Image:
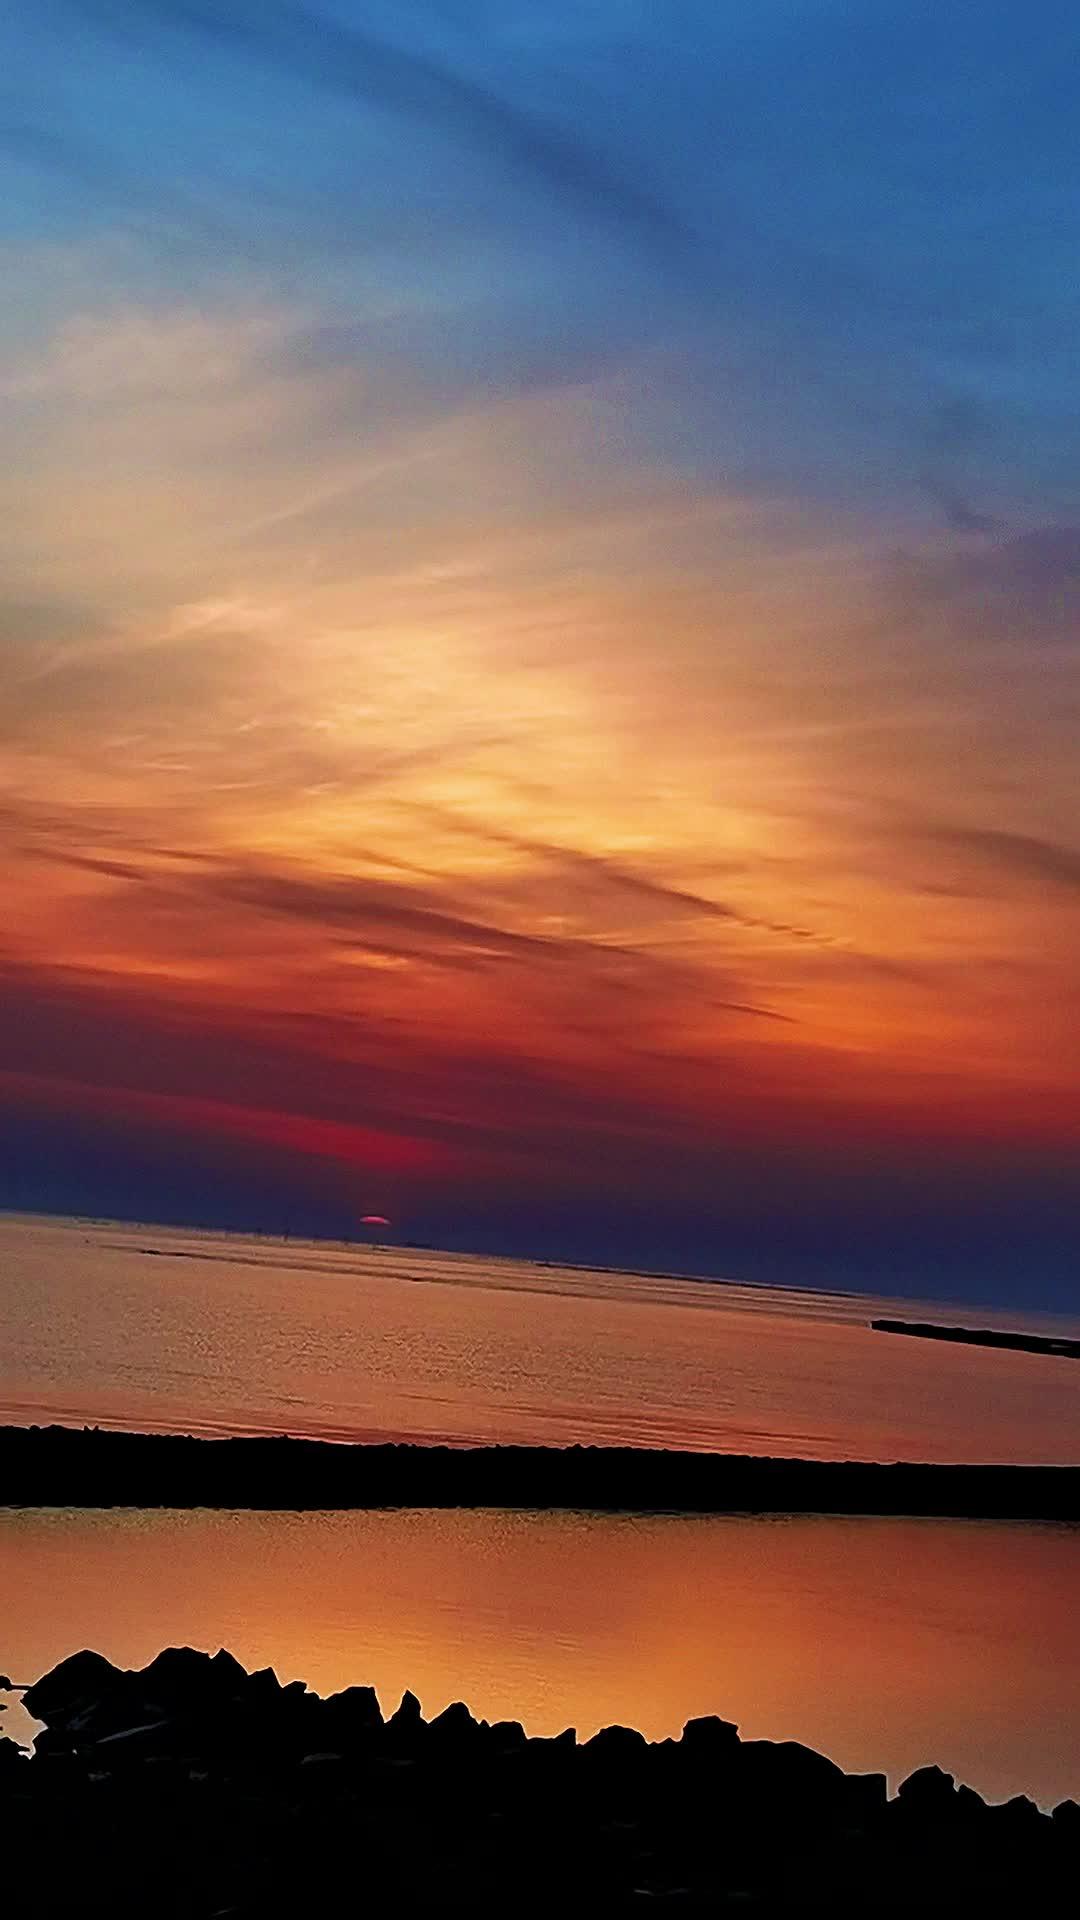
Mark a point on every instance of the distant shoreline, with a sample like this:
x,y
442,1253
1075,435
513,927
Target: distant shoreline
x,y
263,1236
1061,1348
402,1247
94,1467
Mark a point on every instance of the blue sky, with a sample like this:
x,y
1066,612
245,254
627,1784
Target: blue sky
x,y
855,227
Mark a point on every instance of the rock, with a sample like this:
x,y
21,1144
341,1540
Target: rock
x,y
547,1768
227,1669
546,1756
406,1728
865,1794
408,1713
353,1716
928,1790
1020,1817
507,1736
256,1798
187,1683
12,1763
177,1670
67,1691
616,1747
52,1743
784,1771
263,1687
710,1738
148,1727
454,1727
969,1805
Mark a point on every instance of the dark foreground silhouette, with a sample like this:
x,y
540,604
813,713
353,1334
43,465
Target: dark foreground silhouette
x,y
89,1467
983,1337
193,1788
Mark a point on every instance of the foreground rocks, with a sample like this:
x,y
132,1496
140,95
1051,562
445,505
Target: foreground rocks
x,y
193,1788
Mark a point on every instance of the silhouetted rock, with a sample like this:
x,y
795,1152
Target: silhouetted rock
x,y
51,1742
507,1736
1022,1817
264,1688
866,1793
192,1789
928,1790
613,1767
179,1674
1066,1818
784,1772
73,1688
710,1738
454,1727
556,1742
614,1746
354,1716
406,1727
227,1670
968,1805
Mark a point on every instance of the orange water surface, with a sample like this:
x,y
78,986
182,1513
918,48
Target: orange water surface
x,y
884,1643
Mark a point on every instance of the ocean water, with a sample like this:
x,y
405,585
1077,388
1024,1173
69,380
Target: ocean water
x,y
884,1643
153,1328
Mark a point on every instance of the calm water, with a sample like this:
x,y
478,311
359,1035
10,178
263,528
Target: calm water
x,y
885,1643
149,1327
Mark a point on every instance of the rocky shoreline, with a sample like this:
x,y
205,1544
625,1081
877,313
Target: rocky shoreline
x,y
193,1790
94,1467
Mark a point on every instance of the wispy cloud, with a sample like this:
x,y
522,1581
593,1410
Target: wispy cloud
x,y
1046,862
613,876
383,74
541,572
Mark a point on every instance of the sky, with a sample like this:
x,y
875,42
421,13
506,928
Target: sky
x,y
539,628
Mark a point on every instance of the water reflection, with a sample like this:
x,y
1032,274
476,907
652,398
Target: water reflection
x,y
884,1643
219,1335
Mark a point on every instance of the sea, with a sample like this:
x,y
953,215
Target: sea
x,y
886,1643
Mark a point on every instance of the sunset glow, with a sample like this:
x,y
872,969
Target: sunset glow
x,y
506,706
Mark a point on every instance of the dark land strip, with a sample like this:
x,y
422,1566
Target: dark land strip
x,y
982,1337
95,1467
194,1789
